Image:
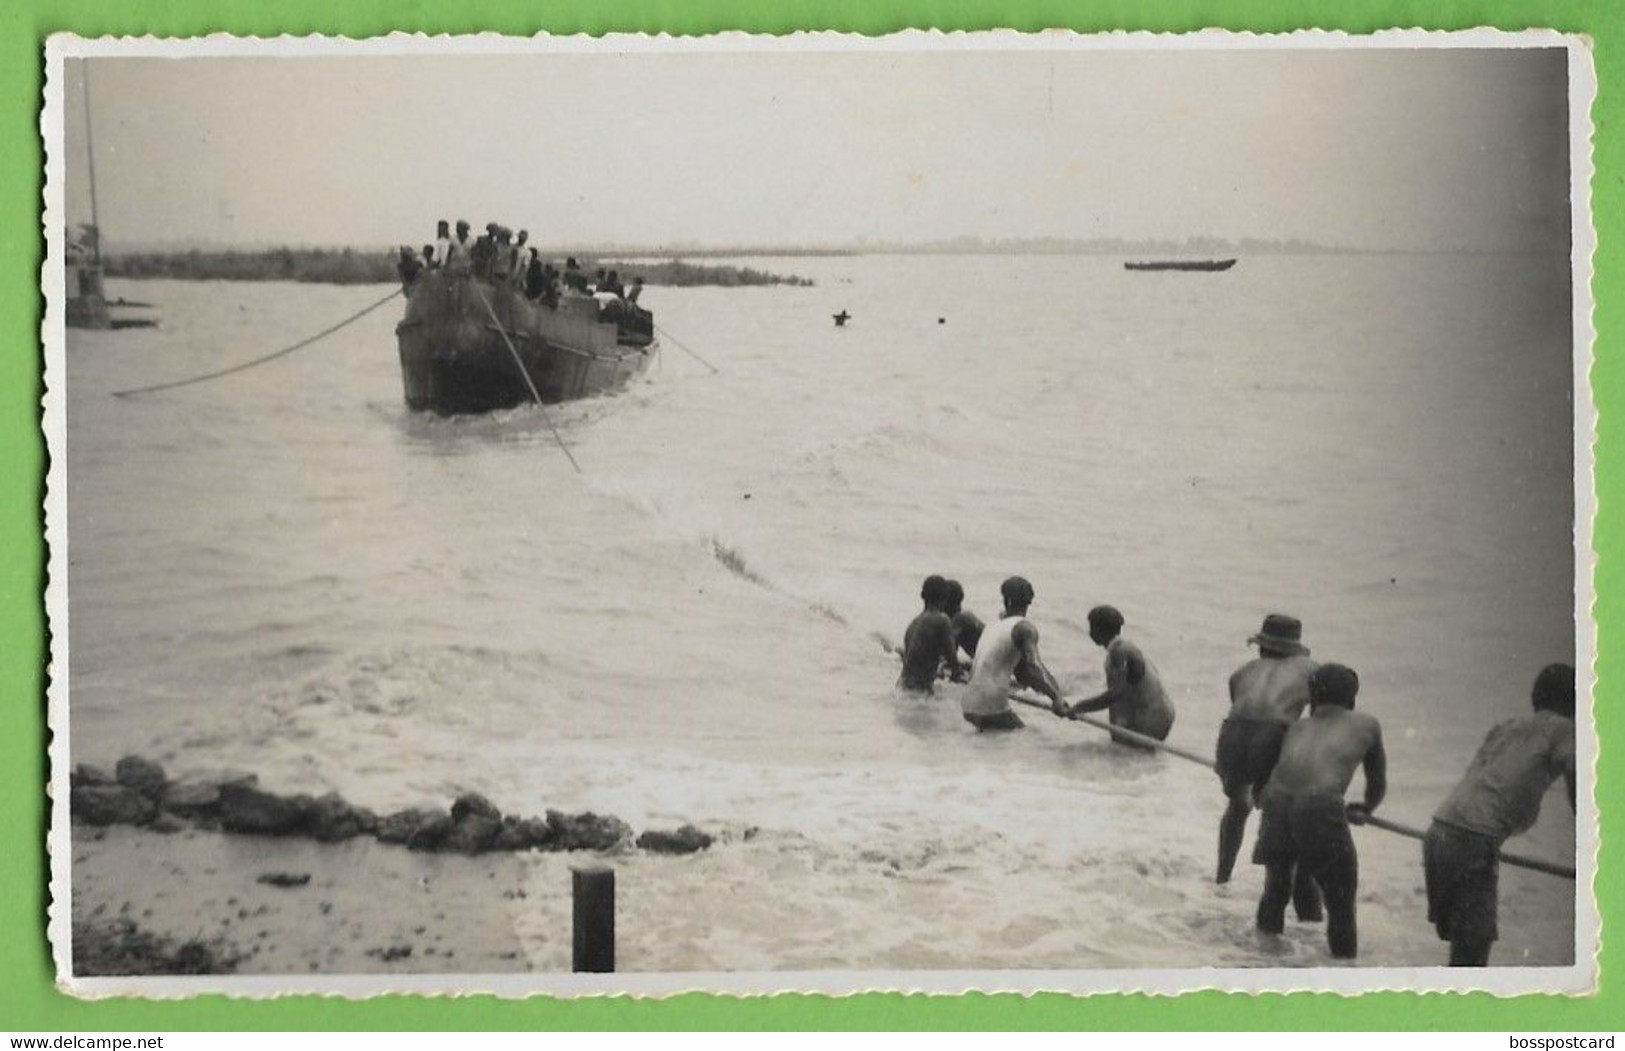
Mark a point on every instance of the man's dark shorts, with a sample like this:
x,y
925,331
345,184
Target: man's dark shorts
x,y
1247,753
1312,831
1462,875
998,721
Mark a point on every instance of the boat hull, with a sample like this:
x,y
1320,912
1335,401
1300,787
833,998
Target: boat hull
x,y
461,337
1201,265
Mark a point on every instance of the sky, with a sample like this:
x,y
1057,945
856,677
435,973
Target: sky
x,y
1459,149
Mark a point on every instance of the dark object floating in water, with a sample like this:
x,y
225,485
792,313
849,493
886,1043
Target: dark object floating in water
x,y
285,879
454,359
1205,265
842,318
942,321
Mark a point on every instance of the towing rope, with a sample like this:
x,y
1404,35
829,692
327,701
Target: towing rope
x,y
1516,860
245,366
525,374
686,350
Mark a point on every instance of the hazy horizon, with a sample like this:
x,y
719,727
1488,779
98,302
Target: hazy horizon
x,y
1350,149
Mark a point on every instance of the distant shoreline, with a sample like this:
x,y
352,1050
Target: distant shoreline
x,y
349,266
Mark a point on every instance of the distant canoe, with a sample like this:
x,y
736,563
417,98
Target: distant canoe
x,y
1206,265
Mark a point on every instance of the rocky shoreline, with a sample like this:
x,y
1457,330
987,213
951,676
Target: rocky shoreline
x,y
138,792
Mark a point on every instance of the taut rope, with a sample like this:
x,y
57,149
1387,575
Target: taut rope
x,y
1516,860
245,366
525,374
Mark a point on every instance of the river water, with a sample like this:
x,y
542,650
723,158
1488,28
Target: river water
x,y
284,571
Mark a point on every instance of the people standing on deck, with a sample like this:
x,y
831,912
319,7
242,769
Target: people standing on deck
x,y
459,254
1499,797
574,279
928,644
1267,695
517,257
442,243
502,256
428,257
1134,694
535,276
1008,650
967,625
1305,823
484,251
635,291
408,266
612,284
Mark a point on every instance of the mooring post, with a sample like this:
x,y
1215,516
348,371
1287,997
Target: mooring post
x,y
592,888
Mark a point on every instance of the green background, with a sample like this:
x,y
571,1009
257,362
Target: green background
x,y
28,1000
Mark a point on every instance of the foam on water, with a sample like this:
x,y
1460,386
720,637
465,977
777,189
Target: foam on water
x,y
285,571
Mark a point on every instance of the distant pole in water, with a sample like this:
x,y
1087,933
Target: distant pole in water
x,y
841,318
90,157
592,890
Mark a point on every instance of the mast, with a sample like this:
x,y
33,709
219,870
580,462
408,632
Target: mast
x,y
90,150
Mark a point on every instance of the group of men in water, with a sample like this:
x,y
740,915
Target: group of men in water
x,y
1296,770
501,256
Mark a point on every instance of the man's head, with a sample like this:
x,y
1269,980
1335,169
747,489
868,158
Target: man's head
x,y
934,591
442,229
1335,685
1281,636
1105,624
462,227
428,251
1017,593
956,598
524,235
1554,690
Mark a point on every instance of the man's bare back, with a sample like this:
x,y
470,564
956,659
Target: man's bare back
x,y
1322,752
927,644
1271,689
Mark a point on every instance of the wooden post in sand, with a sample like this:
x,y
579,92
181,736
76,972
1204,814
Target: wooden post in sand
x,y
592,889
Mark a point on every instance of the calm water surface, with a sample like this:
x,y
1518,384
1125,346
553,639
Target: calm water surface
x,y
285,571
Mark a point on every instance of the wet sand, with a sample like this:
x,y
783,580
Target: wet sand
x,y
368,907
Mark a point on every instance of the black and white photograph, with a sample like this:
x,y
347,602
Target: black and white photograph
x,y
936,512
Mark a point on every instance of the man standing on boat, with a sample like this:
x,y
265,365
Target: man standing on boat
x,y
459,253
1134,693
1006,655
928,644
1499,797
442,243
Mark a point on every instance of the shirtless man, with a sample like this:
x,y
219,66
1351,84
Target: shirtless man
x,y
1306,823
967,625
1267,695
929,641
1498,798
1134,692
1008,649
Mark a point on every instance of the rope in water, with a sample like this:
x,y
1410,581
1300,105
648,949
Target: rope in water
x,y
525,374
1516,860
690,353
245,366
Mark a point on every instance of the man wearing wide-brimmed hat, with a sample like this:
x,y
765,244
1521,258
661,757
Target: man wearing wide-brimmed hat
x,y
1267,695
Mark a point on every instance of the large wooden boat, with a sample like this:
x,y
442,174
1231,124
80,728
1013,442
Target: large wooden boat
x,y
469,345
1206,265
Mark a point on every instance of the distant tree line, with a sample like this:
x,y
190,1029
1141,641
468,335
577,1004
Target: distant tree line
x,y
347,266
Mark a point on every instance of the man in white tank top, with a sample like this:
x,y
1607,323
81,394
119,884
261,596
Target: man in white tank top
x,y
1007,654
